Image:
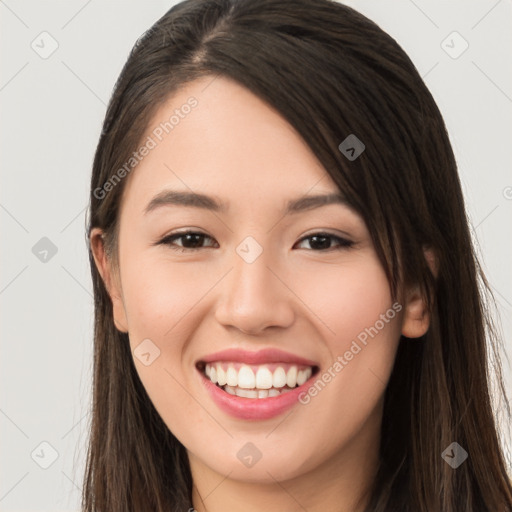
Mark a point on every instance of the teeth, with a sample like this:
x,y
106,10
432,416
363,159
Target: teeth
x,y
221,376
246,378
246,393
303,376
279,378
254,393
259,378
291,377
231,376
263,378
230,390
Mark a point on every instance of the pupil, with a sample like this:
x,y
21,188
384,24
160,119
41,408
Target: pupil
x,y
190,237
322,246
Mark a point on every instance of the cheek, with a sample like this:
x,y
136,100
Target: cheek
x,y
157,296
158,299
361,329
346,298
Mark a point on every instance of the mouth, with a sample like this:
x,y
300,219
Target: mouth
x,y
256,381
255,386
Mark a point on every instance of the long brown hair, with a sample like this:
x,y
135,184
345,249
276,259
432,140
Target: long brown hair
x,y
330,72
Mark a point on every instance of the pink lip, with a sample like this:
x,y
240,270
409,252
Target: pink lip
x,y
268,355
253,408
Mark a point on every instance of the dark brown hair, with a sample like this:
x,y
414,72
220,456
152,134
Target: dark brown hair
x,y
330,72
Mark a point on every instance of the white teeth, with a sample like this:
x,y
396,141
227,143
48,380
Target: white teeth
x,y
221,376
213,374
264,379
254,393
230,390
303,376
246,393
246,378
232,377
279,377
291,377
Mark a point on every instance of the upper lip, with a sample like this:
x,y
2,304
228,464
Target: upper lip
x,y
268,355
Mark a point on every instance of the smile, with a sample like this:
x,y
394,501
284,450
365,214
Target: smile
x,y
257,381
255,385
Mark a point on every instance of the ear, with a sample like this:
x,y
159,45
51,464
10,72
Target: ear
x,y
416,319
432,260
110,278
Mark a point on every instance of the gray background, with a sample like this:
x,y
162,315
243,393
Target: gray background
x,y
51,111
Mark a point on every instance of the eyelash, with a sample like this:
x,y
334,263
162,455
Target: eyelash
x,y
169,239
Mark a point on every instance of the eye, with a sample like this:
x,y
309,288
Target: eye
x,y
321,241
191,240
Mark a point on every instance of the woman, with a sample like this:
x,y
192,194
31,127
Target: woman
x,y
287,304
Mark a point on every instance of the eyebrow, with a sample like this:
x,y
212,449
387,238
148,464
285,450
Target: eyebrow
x,y
198,200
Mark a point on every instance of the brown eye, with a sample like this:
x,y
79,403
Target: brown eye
x,y
194,240
191,240
322,242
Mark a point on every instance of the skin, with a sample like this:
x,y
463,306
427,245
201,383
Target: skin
x,y
304,300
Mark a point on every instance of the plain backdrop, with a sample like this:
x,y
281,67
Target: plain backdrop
x,y
59,62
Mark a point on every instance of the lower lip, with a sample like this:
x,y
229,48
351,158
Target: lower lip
x,y
253,408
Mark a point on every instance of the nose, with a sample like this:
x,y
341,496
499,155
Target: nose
x,y
254,296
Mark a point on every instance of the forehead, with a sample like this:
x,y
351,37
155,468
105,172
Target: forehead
x,y
217,137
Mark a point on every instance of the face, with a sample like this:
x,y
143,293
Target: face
x,y
290,307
